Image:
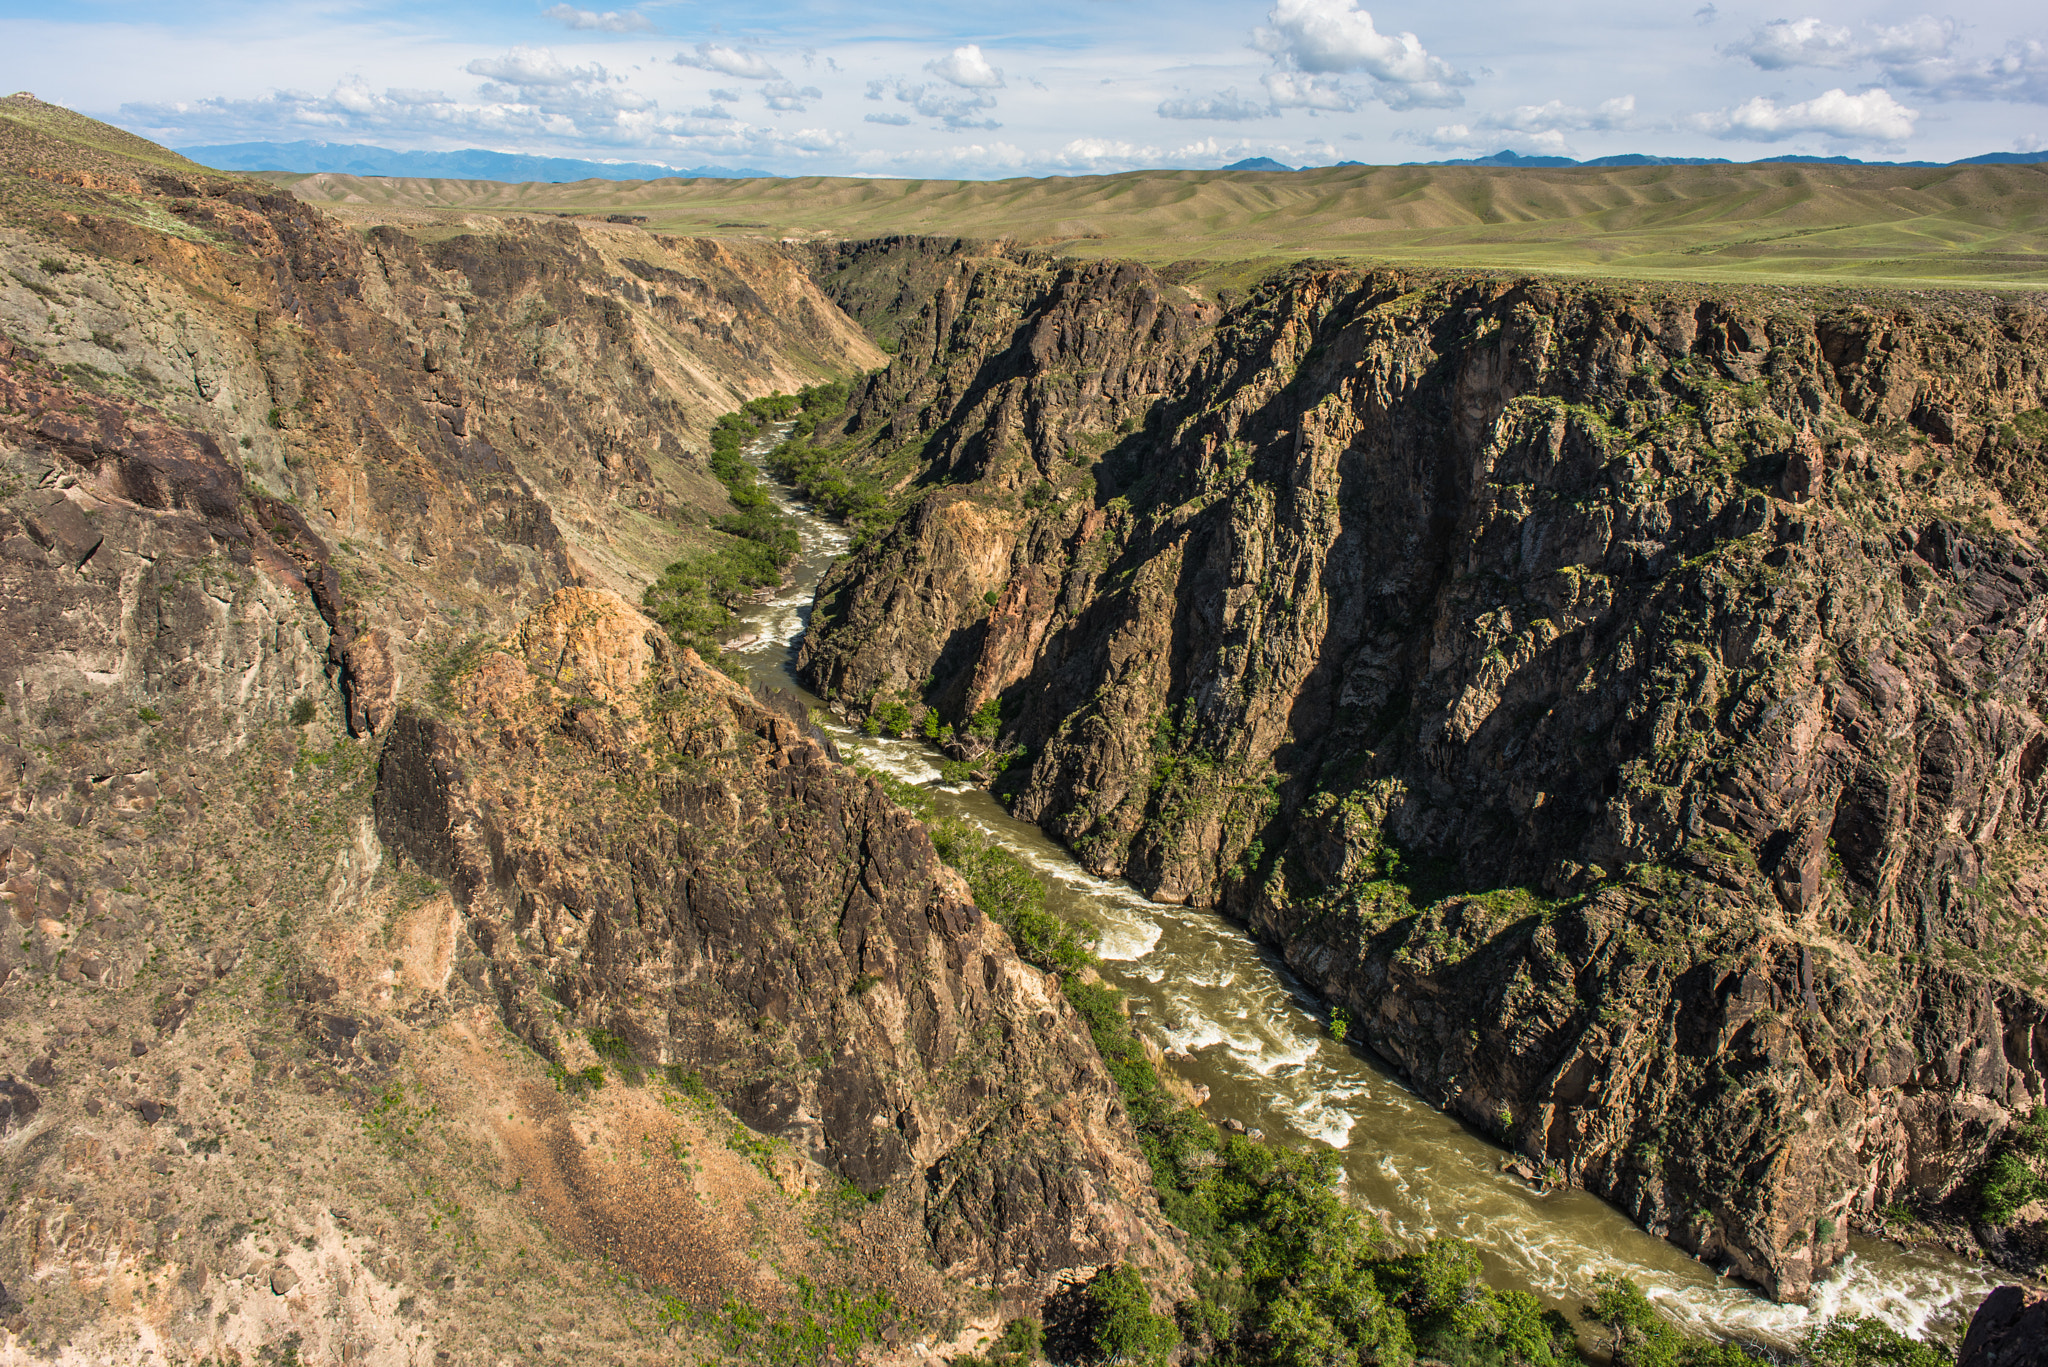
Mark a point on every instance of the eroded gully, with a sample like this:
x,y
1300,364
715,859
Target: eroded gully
x,y
1239,1024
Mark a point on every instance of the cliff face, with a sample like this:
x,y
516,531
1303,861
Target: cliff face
x,y
642,850
1624,705
266,481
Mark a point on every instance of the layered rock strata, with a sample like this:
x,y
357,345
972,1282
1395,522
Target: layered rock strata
x,y
644,852
1623,703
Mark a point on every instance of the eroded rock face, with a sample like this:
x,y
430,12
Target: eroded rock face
x,y
1704,632
643,850
2010,1329
259,473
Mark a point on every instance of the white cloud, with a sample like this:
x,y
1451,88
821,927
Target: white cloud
x,y
730,61
1873,116
1458,139
729,96
611,21
1335,37
2019,74
1555,116
1097,153
1918,55
786,96
534,67
1290,91
934,102
528,101
895,120
1916,40
1787,43
966,68
1226,105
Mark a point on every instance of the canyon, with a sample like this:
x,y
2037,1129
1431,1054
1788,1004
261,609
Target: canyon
x,y
1621,705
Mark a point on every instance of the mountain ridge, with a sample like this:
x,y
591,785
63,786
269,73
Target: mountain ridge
x,y
470,163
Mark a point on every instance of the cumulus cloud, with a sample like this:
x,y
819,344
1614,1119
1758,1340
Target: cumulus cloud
x,y
1555,116
1288,90
527,98
1919,55
1226,105
955,111
1335,37
1460,139
729,61
894,120
610,21
2018,74
534,67
729,96
1873,116
784,95
966,68
1787,43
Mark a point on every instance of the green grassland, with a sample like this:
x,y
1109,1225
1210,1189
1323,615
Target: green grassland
x,y
1948,227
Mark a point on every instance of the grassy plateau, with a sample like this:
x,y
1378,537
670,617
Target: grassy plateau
x,y
1944,227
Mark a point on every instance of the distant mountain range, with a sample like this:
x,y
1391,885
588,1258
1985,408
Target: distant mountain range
x,y
1512,158
475,163
472,163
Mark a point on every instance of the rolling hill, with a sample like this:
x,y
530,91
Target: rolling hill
x,y
1952,226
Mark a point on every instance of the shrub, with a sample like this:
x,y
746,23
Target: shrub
x,y
987,722
1641,1337
1012,896
2012,1180
1853,1341
1122,1327
303,712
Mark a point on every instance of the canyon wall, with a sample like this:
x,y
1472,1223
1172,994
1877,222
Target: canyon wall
x,y
1622,701
271,486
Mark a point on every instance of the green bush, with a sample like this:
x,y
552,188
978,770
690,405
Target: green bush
x,y
1122,1328
888,718
1640,1336
1012,896
1021,1344
2013,1179
303,712
987,722
1853,1341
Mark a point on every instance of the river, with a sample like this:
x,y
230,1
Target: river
x,y
1243,1027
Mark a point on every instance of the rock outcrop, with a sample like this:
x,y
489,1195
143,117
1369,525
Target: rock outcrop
x,y
1624,703
644,852
267,480
2009,1330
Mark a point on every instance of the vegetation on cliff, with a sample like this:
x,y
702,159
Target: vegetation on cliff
x,y
1687,640
1289,1272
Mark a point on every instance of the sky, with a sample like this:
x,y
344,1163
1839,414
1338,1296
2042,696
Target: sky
x,y
1051,87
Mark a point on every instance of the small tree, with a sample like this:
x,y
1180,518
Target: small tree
x,y
1123,1329
1641,1336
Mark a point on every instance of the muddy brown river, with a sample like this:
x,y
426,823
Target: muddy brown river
x,y
1244,1028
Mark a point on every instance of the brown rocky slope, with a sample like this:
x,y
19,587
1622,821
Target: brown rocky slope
x,y
1624,704
266,481
643,851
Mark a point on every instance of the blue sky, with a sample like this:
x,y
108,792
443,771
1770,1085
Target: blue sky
x,y
820,87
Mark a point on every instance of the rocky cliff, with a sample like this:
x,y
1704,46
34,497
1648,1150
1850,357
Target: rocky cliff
x,y
268,482
648,858
1623,703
